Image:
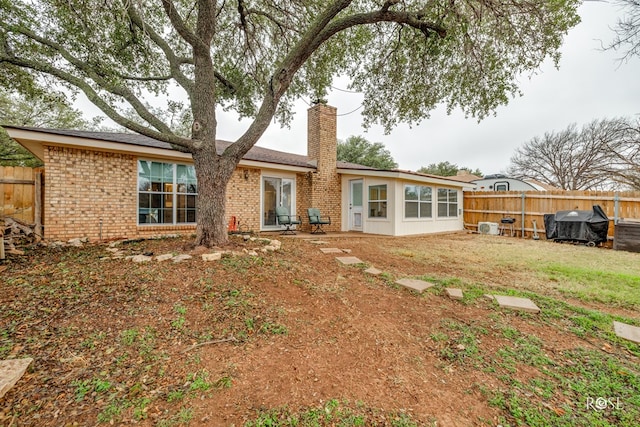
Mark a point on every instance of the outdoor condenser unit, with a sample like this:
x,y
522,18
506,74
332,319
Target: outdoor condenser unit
x,y
488,228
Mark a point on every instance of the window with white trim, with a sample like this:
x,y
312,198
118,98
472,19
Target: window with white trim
x,y
447,203
167,193
378,201
418,201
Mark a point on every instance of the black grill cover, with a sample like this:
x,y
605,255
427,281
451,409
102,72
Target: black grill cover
x,y
580,226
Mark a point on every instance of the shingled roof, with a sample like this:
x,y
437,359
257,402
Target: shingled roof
x,y
259,154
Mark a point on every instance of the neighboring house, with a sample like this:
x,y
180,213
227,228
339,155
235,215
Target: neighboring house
x,y
464,176
111,185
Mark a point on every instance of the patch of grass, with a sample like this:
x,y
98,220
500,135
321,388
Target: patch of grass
x,y
199,381
273,328
140,408
113,410
463,342
567,390
592,284
91,341
223,382
81,388
333,413
183,417
240,264
439,336
128,336
6,343
179,321
176,395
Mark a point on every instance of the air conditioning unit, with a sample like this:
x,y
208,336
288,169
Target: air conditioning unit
x,y
488,228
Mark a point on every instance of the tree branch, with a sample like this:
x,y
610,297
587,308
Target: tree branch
x,y
179,24
174,61
322,30
182,144
122,91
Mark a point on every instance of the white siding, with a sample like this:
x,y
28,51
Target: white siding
x,y
395,224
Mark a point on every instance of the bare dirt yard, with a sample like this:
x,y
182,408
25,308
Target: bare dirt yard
x,y
293,337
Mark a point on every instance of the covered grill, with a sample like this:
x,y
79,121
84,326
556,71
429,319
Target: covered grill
x,y
590,227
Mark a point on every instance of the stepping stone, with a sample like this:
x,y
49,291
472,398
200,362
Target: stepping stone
x,y
331,250
10,372
181,257
318,242
628,332
373,271
212,256
348,260
522,304
164,257
141,258
454,293
415,284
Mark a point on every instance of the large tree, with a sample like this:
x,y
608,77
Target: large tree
x,y
356,149
603,154
256,56
39,109
627,29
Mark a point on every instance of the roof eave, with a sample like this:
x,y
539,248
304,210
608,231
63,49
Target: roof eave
x,y
35,143
404,176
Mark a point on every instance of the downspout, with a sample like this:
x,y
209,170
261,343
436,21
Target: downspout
x,y
616,207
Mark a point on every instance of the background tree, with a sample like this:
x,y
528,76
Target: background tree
x,y
601,155
447,169
625,154
627,29
38,110
356,149
256,57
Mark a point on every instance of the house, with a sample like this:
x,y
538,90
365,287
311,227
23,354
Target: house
x,y
111,185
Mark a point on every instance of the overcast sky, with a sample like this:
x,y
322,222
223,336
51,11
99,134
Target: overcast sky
x,y
590,84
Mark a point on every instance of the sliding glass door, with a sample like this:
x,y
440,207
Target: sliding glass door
x,y
276,192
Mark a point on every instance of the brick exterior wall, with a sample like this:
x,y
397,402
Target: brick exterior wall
x,y
322,189
84,188
243,198
94,194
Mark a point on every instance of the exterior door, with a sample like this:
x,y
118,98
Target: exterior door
x,y
355,205
276,192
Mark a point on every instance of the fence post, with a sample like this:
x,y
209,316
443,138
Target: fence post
x,y
522,221
616,207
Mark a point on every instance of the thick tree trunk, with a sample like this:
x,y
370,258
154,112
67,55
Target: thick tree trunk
x,y
213,173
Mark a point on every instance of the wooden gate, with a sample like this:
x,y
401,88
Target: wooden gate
x,y
21,193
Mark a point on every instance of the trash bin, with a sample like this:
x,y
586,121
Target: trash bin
x,y
627,235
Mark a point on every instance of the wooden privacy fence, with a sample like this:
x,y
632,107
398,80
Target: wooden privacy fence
x,y
21,193
529,206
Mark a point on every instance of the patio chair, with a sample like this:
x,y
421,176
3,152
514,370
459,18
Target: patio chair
x,y
316,221
283,218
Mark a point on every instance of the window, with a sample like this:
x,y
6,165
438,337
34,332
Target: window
x,y
417,201
501,186
167,193
378,201
447,203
